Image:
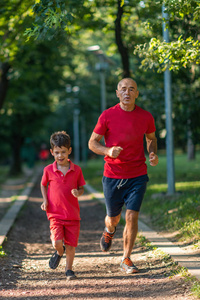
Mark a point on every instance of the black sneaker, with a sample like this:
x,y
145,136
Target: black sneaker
x,y
55,259
106,240
70,275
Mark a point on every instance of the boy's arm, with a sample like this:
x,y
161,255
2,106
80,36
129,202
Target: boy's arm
x,y
44,195
78,192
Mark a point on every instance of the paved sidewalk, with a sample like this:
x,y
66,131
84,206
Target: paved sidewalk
x,y
14,193
180,255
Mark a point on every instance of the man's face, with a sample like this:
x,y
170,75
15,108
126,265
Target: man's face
x,y
127,93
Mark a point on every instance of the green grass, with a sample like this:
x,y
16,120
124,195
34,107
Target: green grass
x,y
184,170
3,173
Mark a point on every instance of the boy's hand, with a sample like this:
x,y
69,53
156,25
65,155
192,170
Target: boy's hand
x,y
44,206
75,193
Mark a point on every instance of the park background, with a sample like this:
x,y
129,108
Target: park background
x,y
60,62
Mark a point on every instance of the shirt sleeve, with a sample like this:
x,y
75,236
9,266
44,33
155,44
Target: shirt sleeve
x,y
81,180
45,178
101,127
151,125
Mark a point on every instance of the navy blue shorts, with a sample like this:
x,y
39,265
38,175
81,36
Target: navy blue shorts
x,y
118,192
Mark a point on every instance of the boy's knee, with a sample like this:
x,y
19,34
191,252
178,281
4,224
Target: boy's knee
x,y
57,244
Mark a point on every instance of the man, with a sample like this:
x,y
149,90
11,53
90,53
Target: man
x,y
125,172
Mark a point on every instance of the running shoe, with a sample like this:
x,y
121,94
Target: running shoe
x,y
128,266
106,240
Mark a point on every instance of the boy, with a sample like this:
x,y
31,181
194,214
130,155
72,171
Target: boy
x,y
61,185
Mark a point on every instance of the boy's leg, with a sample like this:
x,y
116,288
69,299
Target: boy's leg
x,y
70,254
58,245
57,233
71,236
56,257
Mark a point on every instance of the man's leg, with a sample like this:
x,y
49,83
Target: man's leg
x,y
111,222
109,231
129,237
130,231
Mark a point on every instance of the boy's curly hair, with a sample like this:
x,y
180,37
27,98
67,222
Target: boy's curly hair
x,y
59,139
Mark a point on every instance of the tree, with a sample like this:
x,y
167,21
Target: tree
x,y
184,49
14,18
34,77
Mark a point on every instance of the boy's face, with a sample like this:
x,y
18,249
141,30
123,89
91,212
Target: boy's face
x,y
61,155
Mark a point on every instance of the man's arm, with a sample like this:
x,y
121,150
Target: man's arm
x,y
95,145
152,148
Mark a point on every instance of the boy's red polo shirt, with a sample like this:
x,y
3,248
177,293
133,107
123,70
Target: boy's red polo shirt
x,y
61,203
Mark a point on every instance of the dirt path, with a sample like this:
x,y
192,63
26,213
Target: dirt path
x,y
24,272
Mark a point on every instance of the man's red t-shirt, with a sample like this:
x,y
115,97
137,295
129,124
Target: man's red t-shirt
x,y
61,203
125,129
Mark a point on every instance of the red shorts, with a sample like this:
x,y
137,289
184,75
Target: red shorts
x,y
67,231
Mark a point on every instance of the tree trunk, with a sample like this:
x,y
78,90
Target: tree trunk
x,y
118,37
4,68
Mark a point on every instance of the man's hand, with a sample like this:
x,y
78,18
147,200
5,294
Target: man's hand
x,y
153,158
114,151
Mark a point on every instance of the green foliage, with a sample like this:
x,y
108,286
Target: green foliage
x,y
196,289
2,253
33,78
53,18
15,16
143,242
172,56
183,49
182,8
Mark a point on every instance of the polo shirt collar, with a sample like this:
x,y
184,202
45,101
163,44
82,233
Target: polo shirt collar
x,y
56,169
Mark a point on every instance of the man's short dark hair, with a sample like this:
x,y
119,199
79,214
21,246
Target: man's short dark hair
x,y
59,139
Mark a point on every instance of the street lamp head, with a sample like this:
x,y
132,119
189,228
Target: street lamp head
x,y
94,48
75,89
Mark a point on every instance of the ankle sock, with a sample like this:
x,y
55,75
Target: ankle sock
x,y
109,231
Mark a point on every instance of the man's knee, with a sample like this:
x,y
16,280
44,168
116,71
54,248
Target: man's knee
x,y
132,216
113,221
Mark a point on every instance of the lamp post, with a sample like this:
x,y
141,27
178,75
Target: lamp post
x,y
76,113
168,112
101,66
76,135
